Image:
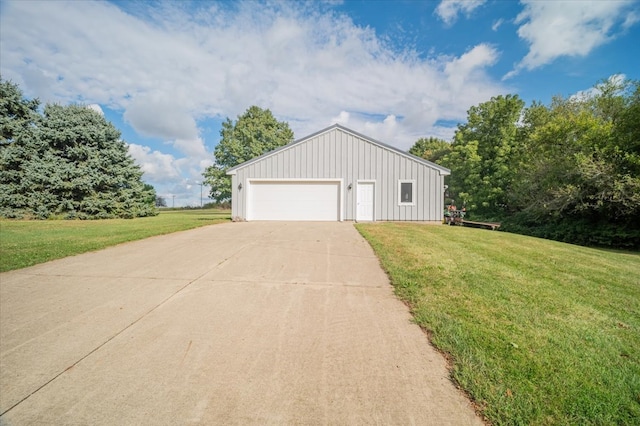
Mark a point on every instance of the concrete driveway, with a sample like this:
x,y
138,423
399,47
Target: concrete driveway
x,y
239,323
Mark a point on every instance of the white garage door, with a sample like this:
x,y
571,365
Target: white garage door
x,y
294,200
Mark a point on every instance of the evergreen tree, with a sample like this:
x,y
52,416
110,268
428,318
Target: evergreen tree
x,y
16,113
67,162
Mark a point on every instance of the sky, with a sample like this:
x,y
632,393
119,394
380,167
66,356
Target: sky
x,y
168,73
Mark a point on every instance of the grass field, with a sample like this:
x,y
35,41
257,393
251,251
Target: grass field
x,y
538,332
28,242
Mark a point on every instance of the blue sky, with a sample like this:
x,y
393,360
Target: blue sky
x,y
168,73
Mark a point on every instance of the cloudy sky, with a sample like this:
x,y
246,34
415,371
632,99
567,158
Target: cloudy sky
x,y
168,73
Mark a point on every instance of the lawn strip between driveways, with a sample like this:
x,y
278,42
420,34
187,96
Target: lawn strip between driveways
x,y
29,242
539,332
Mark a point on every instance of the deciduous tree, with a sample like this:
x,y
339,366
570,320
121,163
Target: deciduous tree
x,y
431,149
584,157
483,154
253,134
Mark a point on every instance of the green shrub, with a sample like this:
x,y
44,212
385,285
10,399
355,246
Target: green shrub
x,y
579,231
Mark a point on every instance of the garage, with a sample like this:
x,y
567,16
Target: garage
x,y
304,200
337,174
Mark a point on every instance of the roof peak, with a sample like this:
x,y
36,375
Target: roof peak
x,y
441,169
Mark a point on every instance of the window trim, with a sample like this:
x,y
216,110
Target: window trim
x,y
413,192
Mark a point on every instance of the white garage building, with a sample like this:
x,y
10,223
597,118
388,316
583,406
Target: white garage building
x,y
337,174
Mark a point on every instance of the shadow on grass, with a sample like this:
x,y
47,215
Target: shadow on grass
x,y
616,251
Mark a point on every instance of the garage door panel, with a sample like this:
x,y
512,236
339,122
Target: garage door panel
x,y
300,200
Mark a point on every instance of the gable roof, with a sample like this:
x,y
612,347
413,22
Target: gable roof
x,y
443,170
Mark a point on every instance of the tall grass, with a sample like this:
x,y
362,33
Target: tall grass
x,y
539,332
29,242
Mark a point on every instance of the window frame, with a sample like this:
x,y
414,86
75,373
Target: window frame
x,y
413,192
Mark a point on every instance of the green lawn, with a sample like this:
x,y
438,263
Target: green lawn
x,y
28,242
539,332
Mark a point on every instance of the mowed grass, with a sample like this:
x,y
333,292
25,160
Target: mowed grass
x,y
29,242
538,332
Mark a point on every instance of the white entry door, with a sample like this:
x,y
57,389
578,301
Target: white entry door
x,y
364,201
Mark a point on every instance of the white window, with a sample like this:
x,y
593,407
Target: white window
x,y
406,192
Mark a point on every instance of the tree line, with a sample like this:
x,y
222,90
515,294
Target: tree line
x,y
65,162
568,171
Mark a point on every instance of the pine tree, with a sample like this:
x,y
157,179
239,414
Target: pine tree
x,y
67,162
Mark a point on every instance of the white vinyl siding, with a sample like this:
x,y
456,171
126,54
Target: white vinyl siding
x,y
351,158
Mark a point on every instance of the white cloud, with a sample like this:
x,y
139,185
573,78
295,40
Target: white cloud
x,y
175,179
157,166
96,108
568,28
194,148
473,61
152,116
496,24
616,80
390,130
170,66
386,131
632,18
448,10
164,119
342,118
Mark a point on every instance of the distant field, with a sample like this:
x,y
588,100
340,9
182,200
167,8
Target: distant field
x,y
28,242
539,332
